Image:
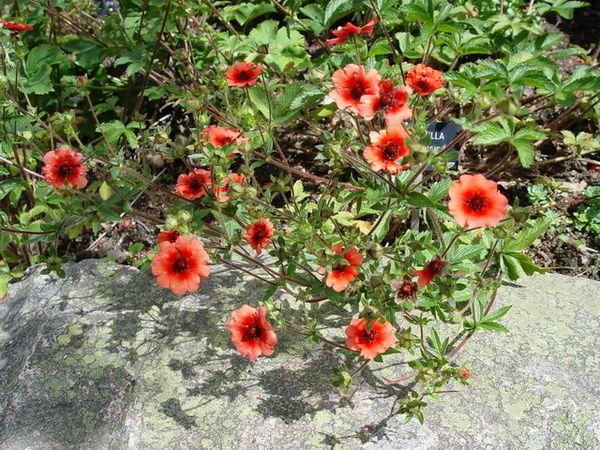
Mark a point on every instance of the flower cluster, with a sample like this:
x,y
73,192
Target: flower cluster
x,y
182,262
365,233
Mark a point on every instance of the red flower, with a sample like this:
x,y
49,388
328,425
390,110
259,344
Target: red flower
x,y
251,332
433,269
224,186
370,338
343,33
194,184
181,265
259,234
464,373
342,274
424,79
390,100
64,166
167,236
476,202
386,148
15,26
351,83
219,137
405,290
243,74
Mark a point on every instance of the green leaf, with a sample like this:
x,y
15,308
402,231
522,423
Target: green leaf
x,y
44,54
38,82
245,12
530,134
6,186
493,326
497,314
525,151
509,266
420,201
528,235
490,133
105,191
336,9
492,68
527,265
259,99
383,227
439,190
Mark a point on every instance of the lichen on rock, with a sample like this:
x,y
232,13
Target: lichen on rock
x,y
103,358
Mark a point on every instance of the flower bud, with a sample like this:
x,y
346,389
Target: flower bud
x,y
375,251
464,373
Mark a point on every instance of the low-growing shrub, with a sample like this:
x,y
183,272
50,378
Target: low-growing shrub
x,y
304,144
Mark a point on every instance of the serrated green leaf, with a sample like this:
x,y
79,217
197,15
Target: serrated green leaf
x,y
525,151
490,133
528,235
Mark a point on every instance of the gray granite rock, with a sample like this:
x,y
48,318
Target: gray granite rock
x,y
104,359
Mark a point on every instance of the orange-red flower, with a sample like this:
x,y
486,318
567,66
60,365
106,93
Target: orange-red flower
x,y
259,234
476,202
167,236
219,136
370,338
15,26
225,185
343,274
181,265
464,373
424,79
386,148
64,167
342,33
390,100
431,270
243,74
351,83
251,332
194,184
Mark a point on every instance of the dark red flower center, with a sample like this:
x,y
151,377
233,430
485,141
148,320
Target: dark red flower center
x,y
391,151
64,170
253,332
259,234
407,289
180,265
423,84
196,184
477,202
436,267
357,90
340,268
369,336
386,91
244,75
